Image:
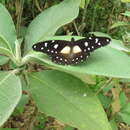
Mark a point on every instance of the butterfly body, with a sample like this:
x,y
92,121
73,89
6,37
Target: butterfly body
x,y
71,52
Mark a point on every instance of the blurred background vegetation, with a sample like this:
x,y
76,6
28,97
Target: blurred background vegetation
x,y
95,15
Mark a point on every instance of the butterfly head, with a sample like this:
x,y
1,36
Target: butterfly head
x,y
72,40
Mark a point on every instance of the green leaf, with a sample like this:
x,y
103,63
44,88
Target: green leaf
x,y
106,101
105,61
125,1
126,109
50,20
119,23
3,60
21,105
124,117
118,44
10,93
8,53
124,114
82,4
127,13
113,125
123,99
68,99
7,28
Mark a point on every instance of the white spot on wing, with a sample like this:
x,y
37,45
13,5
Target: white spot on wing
x,y
52,51
77,58
86,44
96,40
48,50
53,41
88,48
85,50
99,43
42,48
34,46
55,46
60,58
90,38
92,46
45,44
81,56
107,40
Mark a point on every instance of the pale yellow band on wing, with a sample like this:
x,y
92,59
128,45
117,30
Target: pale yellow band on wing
x,y
65,50
76,49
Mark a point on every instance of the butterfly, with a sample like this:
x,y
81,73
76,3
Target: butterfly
x,y
71,52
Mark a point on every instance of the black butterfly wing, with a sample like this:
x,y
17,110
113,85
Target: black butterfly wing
x,y
52,47
67,60
92,42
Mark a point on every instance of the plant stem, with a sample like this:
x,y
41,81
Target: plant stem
x,y
105,85
19,11
75,26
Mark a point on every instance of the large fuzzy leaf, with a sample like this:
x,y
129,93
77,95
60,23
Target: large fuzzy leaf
x,y
10,93
68,99
7,28
50,20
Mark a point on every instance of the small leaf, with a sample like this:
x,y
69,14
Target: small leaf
x,y
113,125
21,105
106,101
126,109
50,20
123,99
10,94
127,13
68,99
118,24
124,117
82,4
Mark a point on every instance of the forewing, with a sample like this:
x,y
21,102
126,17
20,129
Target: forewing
x,y
92,42
52,47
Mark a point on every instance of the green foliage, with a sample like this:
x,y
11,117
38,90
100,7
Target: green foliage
x,y
3,60
69,98
63,92
7,29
